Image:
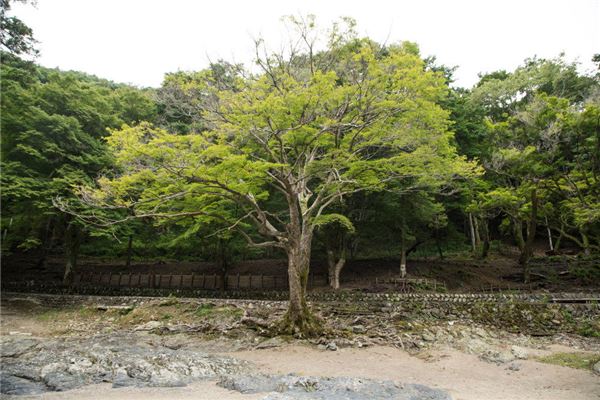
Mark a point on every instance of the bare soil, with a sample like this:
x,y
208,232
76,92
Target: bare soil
x,y
464,376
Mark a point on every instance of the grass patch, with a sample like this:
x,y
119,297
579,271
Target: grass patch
x,y
572,360
51,315
170,301
589,329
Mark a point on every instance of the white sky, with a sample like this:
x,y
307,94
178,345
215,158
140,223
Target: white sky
x,y
137,41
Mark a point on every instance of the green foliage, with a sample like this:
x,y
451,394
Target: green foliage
x,y
15,37
53,124
335,222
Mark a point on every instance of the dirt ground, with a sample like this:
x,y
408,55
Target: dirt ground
x,y
464,376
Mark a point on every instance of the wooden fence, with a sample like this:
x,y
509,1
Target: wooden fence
x,y
190,281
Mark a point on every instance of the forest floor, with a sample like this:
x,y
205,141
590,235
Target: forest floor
x,y
141,348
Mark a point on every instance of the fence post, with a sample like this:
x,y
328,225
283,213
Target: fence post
x,y
238,281
192,283
180,281
262,281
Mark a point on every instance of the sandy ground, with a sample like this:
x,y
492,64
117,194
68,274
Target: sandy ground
x,y
462,375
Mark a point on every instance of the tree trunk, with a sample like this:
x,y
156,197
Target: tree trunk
x,y
549,235
518,232
129,251
472,230
402,255
439,245
476,228
486,239
585,241
299,320
42,262
72,242
527,251
558,243
335,268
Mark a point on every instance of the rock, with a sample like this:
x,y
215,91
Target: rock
x,y
596,368
331,346
514,367
480,332
359,329
120,358
428,337
519,352
270,343
148,326
62,380
498,357
15,385
122,379
293,387
476,346
17,346
166,378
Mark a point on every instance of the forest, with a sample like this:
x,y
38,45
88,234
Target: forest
x,y
335,148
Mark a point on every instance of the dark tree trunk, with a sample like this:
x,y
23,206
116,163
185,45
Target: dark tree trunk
x,y
46,245
402,255
518,233
72,241
485,249
527,251
438,244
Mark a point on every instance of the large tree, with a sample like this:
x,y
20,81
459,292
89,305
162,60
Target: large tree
x,y
285,144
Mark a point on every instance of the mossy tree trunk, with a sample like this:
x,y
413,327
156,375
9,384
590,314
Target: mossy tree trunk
x,y
299,320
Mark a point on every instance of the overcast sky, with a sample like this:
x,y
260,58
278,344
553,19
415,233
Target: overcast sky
x,y
138,41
